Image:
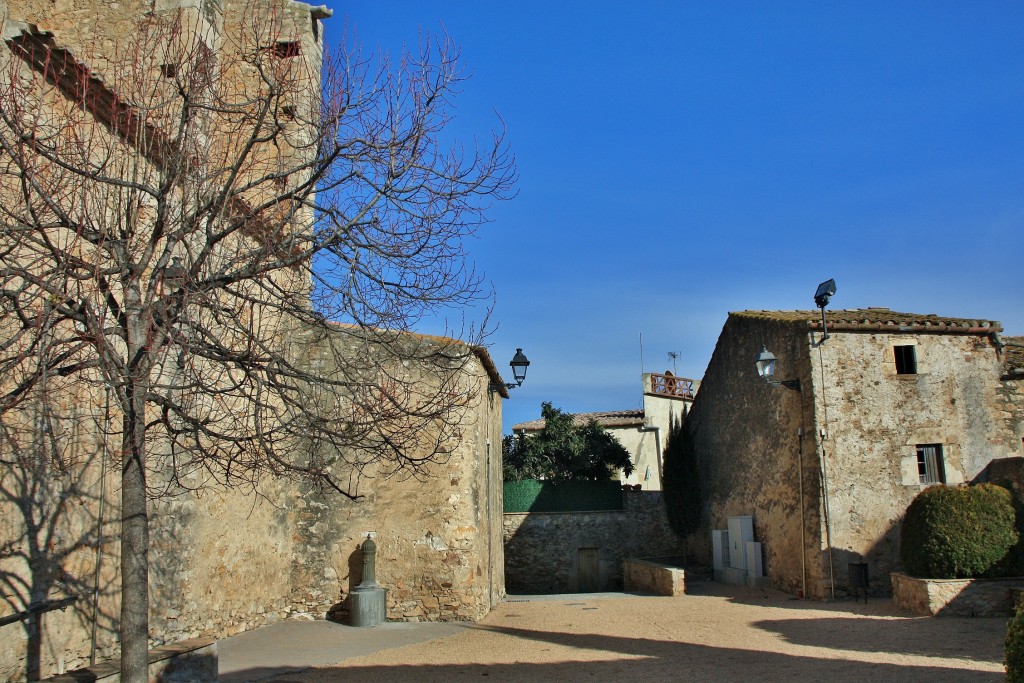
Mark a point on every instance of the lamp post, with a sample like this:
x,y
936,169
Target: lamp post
x,y
519,364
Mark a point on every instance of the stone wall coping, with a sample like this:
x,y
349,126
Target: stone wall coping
x,y
992,579
654,563
568,512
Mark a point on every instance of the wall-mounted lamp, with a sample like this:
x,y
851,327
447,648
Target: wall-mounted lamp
x,y
765,363
519,364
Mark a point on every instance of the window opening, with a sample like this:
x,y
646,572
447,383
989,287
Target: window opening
x,y
169,70
286,48
906,359
930,467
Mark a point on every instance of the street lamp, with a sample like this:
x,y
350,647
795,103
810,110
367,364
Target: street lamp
x,y
519,364
765,363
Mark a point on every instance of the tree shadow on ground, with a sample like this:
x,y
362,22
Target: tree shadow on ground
x,y
926,636
646,659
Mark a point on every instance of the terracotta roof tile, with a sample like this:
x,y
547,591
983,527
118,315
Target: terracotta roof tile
x,y
610,418
870,319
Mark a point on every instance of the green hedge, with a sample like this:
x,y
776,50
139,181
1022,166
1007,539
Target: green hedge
x,y
531,495
1015,648
958,532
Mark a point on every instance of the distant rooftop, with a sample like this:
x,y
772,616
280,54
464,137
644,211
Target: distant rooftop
x,y
869,319
610,418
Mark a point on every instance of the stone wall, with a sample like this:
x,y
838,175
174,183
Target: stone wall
x,y
848,436
543,550
654,577
955,597
752,458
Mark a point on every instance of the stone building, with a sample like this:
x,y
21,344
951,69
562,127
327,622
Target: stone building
x,y
827,459
226,559
642,432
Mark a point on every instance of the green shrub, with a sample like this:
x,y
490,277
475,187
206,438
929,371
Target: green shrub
x,y
961,532
1015,648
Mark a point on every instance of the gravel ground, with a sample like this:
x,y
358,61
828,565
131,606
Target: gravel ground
x,y
722,634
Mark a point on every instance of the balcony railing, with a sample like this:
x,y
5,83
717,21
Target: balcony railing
x,y
670,385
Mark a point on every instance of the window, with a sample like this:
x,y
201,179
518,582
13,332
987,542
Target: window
x,y
286,48
930,468
906,359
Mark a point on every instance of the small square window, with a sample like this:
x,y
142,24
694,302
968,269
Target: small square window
x,y
906,359
930,467
286,48
169,70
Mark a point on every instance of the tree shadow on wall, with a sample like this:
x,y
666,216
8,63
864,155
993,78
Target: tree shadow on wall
x,y
339,612
50,533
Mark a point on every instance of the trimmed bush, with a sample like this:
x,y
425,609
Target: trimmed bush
x,y
958,532
1015,649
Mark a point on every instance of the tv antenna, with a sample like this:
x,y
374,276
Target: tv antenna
x,y
674,355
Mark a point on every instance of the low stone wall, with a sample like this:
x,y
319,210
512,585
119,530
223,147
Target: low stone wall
x,y
652,577
954,597
190,661
569,552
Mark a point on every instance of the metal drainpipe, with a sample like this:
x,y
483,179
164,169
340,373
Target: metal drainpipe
x,y
803,513
490,530
823,433
657,446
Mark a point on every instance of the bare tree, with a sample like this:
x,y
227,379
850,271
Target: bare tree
x,y
185,219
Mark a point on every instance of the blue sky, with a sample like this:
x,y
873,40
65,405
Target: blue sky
x,y
680,160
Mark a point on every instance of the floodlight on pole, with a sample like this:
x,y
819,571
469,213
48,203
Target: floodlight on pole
x,y
821,298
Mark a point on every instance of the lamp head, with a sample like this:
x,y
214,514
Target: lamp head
x,y
825,291
765,363
519,364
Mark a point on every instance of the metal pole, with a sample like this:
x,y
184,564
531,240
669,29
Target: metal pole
x,y
99,527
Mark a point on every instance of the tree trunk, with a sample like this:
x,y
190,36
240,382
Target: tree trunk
x,y
134,515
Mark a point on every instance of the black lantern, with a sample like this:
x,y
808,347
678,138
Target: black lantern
x,y
519,364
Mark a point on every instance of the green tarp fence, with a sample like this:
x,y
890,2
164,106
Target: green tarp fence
x,y
532,495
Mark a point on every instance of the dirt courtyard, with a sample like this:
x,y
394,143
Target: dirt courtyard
x,y
719,634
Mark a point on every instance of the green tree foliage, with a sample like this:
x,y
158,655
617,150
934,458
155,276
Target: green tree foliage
x,y
680,482
962,532
1015,648
562,451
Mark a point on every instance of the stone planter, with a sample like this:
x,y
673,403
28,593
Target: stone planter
x,y
955,597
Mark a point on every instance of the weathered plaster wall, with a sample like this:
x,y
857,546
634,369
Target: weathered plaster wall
x,y
542,549
874,419
438,530
643,450
751,460
647,445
